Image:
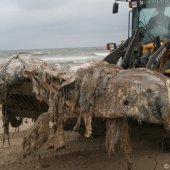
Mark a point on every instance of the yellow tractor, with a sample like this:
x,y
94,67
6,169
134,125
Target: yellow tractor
x,y
148,43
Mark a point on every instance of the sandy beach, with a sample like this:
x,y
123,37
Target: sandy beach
x,y
89,154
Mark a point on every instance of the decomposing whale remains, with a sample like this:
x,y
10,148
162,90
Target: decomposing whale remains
x,y
100,90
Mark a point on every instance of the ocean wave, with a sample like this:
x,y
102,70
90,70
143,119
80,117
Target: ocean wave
x,y
71,58
70,55
37,53
100,54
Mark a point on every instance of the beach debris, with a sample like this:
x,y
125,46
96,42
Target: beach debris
x,y
117,136
46,84
99,90
114,93
106,91
13,70
16,91
139,94
37,135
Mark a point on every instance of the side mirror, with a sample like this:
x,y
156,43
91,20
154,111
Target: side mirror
x,y
111,46
115,7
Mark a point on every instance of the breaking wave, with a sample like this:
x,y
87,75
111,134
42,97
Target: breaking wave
x,y
65,55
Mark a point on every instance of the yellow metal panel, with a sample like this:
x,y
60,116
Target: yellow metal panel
x,y
167,71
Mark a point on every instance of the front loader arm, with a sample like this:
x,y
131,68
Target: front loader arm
x,y
158,55
116,54
133,51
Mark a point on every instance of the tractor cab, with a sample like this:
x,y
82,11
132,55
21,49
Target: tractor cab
x,y
148,43
154,16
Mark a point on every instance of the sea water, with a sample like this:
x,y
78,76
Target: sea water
x,y
61,56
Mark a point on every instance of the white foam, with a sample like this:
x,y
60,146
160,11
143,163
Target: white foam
x,y
71,58
101,54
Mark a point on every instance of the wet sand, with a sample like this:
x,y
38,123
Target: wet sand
x,y
87,154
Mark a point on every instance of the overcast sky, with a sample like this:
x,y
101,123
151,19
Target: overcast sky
x,y
33,24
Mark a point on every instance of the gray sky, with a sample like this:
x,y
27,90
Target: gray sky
x,y
28,24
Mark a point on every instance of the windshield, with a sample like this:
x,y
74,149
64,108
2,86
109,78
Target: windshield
x,y
156,18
